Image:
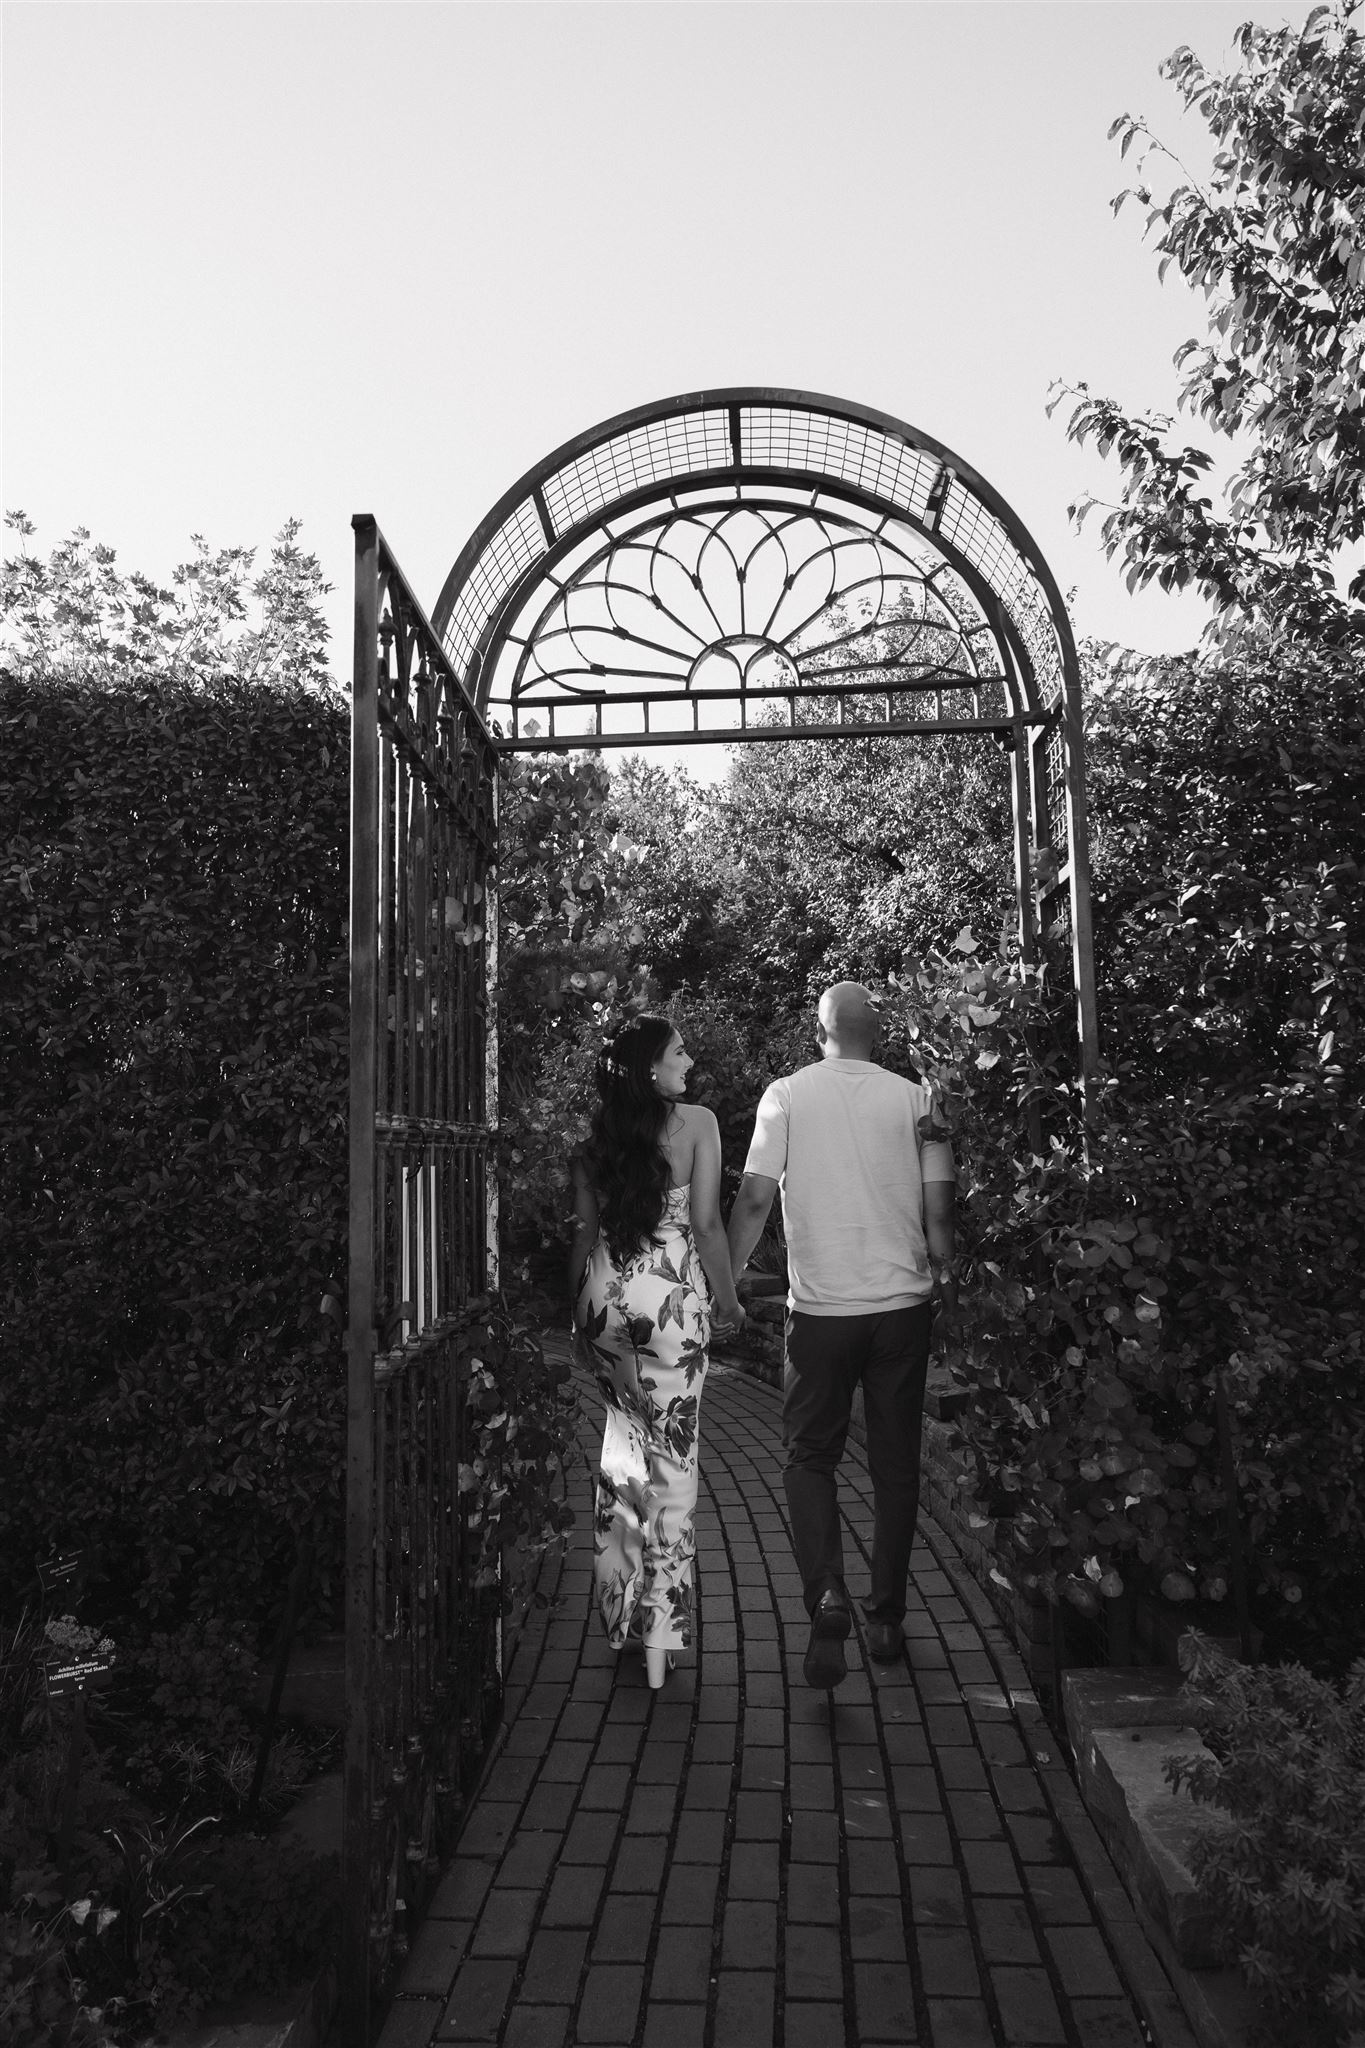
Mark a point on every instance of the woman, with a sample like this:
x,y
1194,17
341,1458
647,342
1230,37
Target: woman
x,y
647,1238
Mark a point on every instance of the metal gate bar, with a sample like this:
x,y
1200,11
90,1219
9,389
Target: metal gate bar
x,y
421,1651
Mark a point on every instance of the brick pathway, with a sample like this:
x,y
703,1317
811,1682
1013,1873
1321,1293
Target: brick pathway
x,y
733,1864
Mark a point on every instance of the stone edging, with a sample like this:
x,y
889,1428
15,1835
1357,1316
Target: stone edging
x,y
305,2017
1122,1725
1183,2007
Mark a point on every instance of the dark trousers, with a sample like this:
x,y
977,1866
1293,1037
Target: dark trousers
x,y
827,1356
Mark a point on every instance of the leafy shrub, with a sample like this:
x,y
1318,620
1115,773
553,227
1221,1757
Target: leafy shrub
x,y
135,1951
256,1916
1112,1278
42,1995
182,1919
520,1416
24,1706
1286,1877
48,1950
1228,847
155,1878
196,1681
1228,843
826,860
172,1175
189,1775
563,961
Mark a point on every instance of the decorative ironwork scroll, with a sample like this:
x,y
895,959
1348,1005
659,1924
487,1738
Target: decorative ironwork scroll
x,y
760,616
756,564
421,1655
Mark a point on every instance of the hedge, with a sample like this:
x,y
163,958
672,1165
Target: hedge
x,y
173,1159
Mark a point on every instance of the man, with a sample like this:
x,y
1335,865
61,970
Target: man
x,y
867,1206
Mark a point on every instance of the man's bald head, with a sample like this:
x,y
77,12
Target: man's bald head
x,y
850,1019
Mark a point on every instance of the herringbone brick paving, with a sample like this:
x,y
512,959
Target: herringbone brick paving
x,y
740,1862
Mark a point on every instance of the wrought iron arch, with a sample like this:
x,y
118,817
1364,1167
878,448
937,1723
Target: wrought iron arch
x,y
772,563
759,564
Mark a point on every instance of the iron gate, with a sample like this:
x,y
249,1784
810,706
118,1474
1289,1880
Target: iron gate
x,y
421,1650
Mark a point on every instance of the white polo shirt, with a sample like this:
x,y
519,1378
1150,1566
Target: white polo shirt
x,y
842,1137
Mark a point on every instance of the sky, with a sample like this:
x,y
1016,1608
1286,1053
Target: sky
x,y
274,258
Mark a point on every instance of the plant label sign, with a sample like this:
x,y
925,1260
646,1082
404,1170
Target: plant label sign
x,y
66,1569
76,1676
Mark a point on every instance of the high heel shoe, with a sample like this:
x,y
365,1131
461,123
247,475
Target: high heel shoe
x,y
658,1664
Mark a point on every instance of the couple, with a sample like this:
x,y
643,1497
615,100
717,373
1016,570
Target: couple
x,y
867,1209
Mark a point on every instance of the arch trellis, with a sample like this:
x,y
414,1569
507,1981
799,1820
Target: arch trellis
x,y
744,564
748,563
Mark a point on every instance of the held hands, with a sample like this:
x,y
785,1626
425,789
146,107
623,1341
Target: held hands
x,y
732,1320
730,1324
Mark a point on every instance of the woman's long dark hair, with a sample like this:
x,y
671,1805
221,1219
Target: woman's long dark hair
x,y
624,1155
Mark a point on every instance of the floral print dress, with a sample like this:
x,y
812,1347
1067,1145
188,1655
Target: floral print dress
x,y
644,1329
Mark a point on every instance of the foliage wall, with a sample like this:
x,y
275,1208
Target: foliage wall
x,y
1226,797
172,1060
1117,1284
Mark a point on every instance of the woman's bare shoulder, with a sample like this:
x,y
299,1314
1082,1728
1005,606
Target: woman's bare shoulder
x,y
697,1117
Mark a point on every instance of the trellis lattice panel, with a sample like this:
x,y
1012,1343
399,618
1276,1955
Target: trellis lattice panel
x,y
422,1677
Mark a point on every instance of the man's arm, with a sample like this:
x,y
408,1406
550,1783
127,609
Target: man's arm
x,y
747,1218
940,1201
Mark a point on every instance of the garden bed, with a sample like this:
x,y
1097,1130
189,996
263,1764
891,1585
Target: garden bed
x,y
148,1878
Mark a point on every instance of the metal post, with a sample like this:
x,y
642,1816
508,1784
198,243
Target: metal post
x,y
1022,786
360,1333
1078,833
490,929
1023,840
